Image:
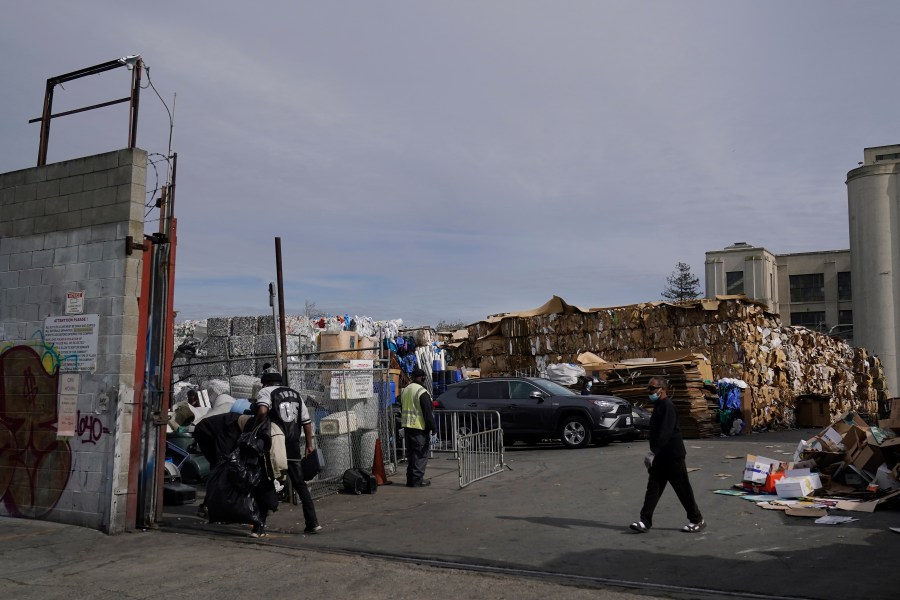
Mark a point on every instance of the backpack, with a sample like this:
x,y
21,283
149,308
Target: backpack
x,y
359,481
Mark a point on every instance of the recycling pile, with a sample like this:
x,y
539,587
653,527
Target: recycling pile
x,y
740,339
695,404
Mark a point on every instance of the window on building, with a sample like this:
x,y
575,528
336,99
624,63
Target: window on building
x,y
844,289
734,282
808,288
845,317
813,319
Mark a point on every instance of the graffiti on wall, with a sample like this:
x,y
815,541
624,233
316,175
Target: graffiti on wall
x,y
34,465
49,354
90,429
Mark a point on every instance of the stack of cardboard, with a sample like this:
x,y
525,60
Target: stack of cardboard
x,y
740,339
695,408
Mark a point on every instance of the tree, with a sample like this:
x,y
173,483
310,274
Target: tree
x,y
443,325
311,312
682,284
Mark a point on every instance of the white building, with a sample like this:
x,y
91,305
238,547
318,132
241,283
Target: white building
x,y
873,193
812,289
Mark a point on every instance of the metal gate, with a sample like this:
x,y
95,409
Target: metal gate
x,y
475,437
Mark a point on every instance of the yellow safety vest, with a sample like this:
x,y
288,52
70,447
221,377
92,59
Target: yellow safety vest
x,y
411,414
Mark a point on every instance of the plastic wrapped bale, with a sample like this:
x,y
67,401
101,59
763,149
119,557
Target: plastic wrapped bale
x,y
367,413
364,448
565,374
338,455
242,386
216,387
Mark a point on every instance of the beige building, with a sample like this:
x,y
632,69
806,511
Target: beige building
x,y
812,289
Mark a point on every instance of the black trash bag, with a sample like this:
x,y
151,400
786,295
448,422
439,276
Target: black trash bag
x,y
246,462
226,503
229,490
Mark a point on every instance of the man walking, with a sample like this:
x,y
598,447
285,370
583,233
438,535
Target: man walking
x,y
665,462
417,420
284,406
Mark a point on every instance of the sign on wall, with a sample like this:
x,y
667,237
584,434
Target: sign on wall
x,y
67,409
75,339
75,303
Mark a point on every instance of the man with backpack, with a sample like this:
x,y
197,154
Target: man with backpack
x,y
284,406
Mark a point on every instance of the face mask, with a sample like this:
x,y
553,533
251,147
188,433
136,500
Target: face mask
x,y
588,386
654,397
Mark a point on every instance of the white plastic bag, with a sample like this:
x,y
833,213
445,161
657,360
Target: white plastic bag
x,y
565,373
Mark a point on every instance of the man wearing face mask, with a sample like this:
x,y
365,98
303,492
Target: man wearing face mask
x,y
665,462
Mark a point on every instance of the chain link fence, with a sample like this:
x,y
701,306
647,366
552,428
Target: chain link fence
x,y
348,394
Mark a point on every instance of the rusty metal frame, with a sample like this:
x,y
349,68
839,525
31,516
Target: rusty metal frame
x,y
134,100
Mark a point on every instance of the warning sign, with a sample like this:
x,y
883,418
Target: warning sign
x,y
75,303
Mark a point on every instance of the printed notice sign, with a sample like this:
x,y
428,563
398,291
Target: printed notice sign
x,y
68,408
74,338
74,303
68,383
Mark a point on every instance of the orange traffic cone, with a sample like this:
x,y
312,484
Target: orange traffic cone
x,y
378,466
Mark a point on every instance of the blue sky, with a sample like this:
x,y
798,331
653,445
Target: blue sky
x,y
450,160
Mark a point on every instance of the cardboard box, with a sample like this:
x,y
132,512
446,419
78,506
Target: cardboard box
x,y
368,348
758,468
867,458
832,439
847,420
794,487
854,439
338,340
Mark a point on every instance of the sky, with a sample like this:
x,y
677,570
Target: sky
x,y
445,161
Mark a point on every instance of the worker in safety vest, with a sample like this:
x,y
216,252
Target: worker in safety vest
x,y
417,420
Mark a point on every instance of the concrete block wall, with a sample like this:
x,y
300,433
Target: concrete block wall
x,y
63,228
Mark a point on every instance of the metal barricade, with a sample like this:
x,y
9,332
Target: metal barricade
x,y
475,437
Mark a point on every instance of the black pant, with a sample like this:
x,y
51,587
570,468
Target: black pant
x,y
417,446
295,472
673,471
266,498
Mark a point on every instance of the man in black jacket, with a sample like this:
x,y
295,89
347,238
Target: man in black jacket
x,y
665,462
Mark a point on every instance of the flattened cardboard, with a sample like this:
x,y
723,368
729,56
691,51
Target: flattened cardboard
x,y
795,511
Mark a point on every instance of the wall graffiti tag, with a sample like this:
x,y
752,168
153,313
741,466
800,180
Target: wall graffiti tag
x,y
34,465
90,428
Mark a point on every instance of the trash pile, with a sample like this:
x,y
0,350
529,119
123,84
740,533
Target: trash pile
x,y
848,465
738,337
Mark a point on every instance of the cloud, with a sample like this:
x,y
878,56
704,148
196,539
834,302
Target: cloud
x,y
446,161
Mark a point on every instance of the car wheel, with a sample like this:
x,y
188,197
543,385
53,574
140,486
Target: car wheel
x,y
574,432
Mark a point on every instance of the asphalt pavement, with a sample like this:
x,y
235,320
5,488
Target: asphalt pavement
x,y
554,522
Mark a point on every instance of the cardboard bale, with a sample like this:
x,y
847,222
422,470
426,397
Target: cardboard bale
x,y
813,411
